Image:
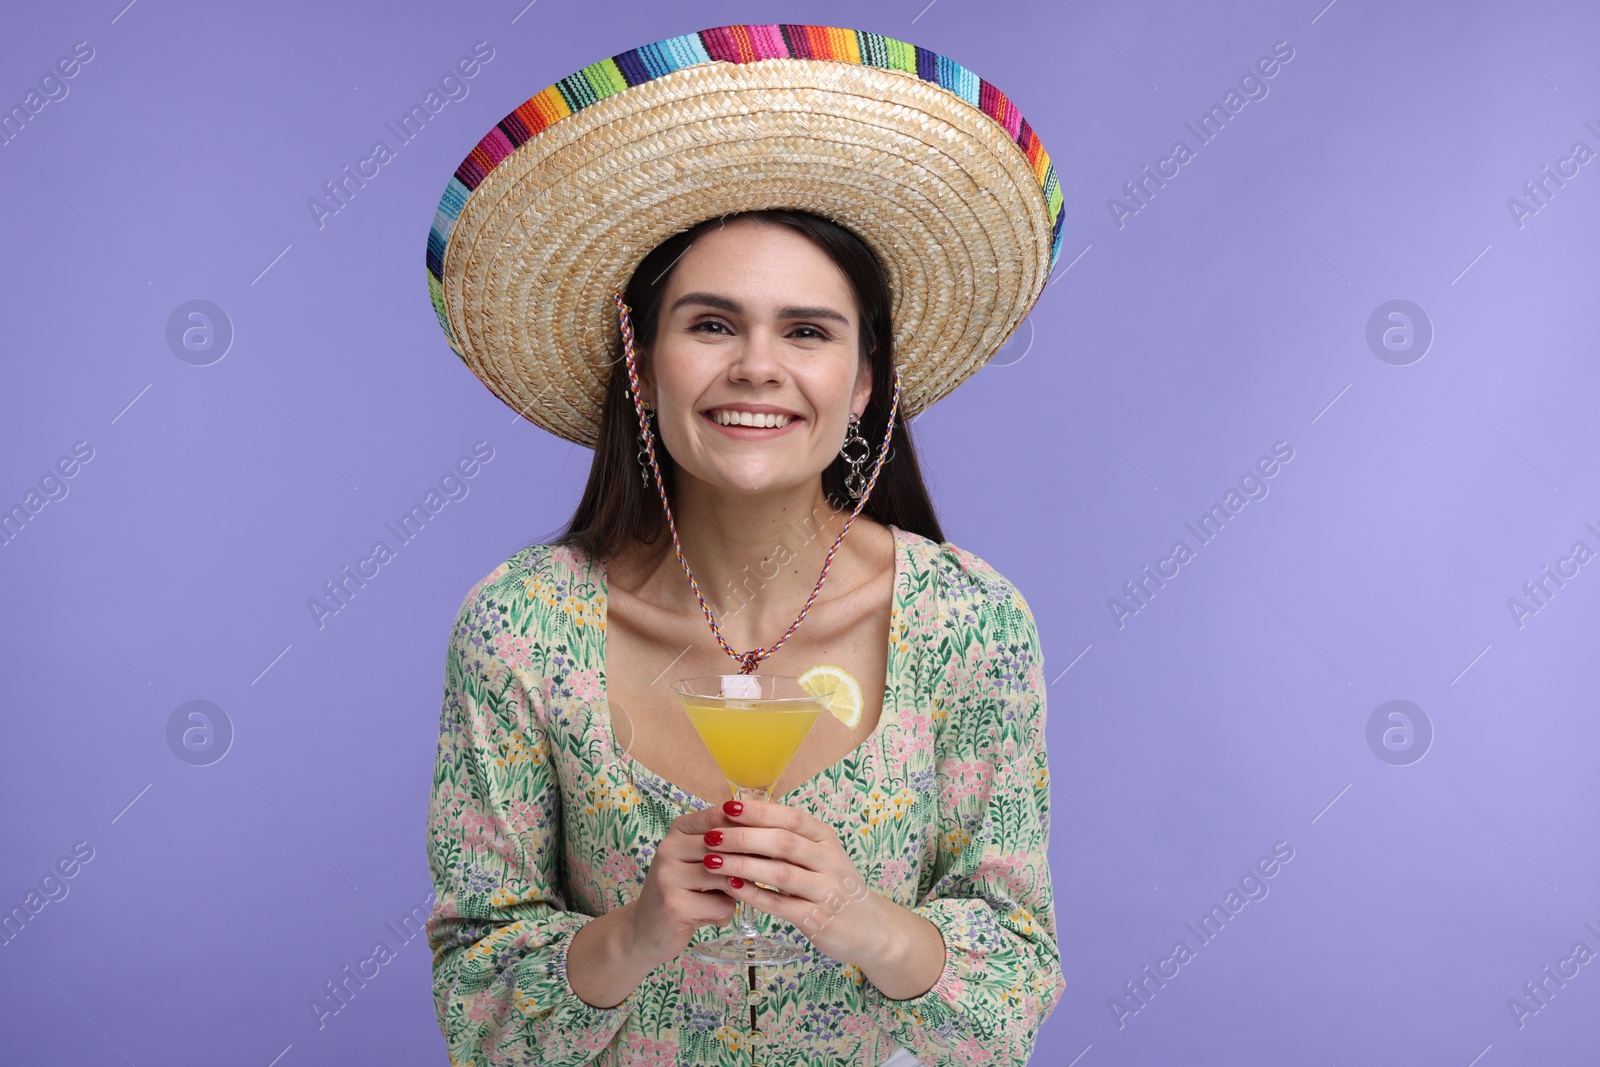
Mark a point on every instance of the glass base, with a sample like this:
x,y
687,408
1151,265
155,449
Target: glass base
x,y
755,951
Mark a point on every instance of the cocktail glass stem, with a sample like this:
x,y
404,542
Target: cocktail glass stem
x,y
744,916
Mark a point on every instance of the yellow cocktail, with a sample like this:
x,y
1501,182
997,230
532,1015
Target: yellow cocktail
x,y
752,724
751,744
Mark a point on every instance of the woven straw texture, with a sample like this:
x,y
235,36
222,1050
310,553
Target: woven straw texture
x,y
555,208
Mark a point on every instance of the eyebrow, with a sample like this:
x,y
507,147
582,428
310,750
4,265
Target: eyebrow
x,y
733,307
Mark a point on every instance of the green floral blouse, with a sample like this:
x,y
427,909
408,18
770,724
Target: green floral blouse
x,y
539,820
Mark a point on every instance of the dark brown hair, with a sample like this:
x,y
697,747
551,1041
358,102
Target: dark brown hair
x,y
618,509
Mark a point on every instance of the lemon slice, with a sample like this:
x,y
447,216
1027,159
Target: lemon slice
x,y
846,704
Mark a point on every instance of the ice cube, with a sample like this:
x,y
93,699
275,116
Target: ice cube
x,y
741,685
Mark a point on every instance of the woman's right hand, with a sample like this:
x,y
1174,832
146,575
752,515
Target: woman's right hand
x,y
680,894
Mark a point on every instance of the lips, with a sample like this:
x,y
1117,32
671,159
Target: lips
x,y
751,433
759,417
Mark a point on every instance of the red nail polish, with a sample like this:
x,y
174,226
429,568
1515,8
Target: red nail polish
x,y
714,838
713,861
737,883
733,807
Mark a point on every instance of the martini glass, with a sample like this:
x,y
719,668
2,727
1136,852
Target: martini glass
x,y
752,724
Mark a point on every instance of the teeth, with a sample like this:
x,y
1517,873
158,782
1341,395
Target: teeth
x,y
747,418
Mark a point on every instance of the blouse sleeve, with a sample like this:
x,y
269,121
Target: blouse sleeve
x,y
500,927
991,896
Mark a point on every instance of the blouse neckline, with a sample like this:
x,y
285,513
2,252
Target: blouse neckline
x,y
671,791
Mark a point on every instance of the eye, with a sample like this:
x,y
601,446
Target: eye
x,y
818,335
705,322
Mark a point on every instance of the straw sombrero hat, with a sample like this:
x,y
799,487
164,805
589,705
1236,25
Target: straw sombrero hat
x,y
933,167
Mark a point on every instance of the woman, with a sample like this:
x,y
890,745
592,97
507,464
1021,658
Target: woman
x,y
577,836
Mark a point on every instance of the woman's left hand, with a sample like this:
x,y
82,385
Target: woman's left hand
x,y
820,890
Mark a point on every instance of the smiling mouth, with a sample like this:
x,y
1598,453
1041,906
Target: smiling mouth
x,y
748,420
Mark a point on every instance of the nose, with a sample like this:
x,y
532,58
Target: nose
x,y
755,358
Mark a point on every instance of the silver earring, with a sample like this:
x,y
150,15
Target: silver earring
x,y
644,454
856,452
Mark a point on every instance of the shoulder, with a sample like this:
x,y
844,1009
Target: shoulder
x,y
967,590
978,636
534,576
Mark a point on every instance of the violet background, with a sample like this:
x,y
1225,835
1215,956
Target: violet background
x,y
1165,357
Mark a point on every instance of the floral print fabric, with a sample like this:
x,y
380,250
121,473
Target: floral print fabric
x,y
539,820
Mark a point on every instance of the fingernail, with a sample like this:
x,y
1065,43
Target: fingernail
x,y
737,883
713,861
714,838
733,807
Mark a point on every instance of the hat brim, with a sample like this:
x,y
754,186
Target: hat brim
x,y
940,191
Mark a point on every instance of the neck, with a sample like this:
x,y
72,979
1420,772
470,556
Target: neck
x,y
756,558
